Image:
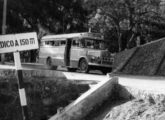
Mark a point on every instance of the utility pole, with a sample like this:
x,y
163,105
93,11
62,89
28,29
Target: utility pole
x,y
4,26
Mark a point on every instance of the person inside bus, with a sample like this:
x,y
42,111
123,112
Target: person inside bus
x,y
102,45
82,43
56,43
75,43
90,45
51,43
96,45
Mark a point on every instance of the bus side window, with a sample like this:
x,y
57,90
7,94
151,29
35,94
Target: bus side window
x,y
63,42
56,43
76,43
89,44
46,42
82,43
42,43
49,43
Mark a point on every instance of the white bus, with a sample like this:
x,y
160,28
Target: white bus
x,y
76,51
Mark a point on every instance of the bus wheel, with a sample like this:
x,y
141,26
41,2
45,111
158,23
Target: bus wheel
x,y
83,66
49,63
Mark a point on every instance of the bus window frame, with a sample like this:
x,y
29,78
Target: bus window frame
x,y
85,39
60,43
47,43
78,41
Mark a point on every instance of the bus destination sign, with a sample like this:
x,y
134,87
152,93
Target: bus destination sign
x,y
18,42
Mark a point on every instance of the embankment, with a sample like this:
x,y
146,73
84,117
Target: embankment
x,y
146,97
147,60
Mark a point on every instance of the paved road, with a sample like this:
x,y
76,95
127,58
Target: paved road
x,y
146,83
155,84
39,66
81,78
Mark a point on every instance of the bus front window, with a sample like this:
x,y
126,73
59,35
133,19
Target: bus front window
x,y
76,43
93,44
82,43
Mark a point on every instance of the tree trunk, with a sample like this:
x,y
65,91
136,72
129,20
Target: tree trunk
x,y
132,37
119,41
119,37
4,26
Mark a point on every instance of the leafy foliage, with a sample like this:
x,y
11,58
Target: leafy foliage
x,y
44,97
44,17
128,20
56,16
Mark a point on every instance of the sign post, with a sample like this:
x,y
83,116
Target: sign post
x,y
4,26
15,43
21,87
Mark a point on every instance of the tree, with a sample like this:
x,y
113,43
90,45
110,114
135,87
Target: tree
x,y
129,19
45,16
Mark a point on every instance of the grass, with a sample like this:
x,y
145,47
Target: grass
x,y
44,97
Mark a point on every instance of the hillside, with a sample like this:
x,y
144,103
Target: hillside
x,y
148,60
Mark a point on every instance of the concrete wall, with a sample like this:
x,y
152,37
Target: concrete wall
x,y
141,87
87,101
126,87
128,92
33,73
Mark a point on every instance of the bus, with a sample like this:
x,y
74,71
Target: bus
x,y
76,51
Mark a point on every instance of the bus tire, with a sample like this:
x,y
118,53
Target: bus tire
x,y
83,66
49,64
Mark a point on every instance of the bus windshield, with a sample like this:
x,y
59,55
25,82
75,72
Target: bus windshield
x,y
94,44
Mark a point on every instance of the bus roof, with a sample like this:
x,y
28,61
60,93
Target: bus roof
x,y
73,35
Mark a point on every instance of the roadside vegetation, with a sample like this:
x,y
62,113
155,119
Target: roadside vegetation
x,y
44,97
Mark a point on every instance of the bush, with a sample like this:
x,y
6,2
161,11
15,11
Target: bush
x,y
44,97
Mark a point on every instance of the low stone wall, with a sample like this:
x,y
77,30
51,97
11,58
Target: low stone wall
x,y
126,92
33,73
141,87
88,101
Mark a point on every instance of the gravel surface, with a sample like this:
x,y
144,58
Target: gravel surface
x,y
138,109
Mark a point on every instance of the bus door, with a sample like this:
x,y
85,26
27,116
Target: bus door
x,y
67,52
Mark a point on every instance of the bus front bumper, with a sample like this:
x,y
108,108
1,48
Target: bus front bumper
x,y
99,65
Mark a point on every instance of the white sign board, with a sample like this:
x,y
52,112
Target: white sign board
x,y
18,42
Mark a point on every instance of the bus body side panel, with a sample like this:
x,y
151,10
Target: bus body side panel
x,y
55,53
58,56
42,55
75,55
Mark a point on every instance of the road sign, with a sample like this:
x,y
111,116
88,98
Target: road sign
x,y
18,42
15,43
